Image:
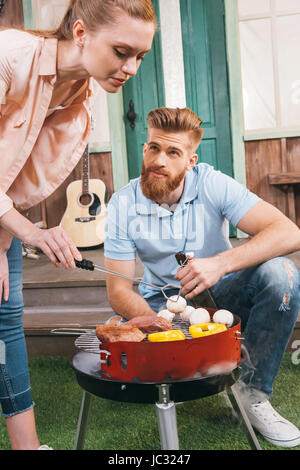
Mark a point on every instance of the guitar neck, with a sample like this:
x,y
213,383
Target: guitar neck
x,y
85,171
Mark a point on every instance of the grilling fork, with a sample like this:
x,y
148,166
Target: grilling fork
x,y
90,266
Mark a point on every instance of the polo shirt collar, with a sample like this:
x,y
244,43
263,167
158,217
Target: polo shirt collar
x,y
145,206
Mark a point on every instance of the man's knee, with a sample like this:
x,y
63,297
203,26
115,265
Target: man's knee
x,y
281,278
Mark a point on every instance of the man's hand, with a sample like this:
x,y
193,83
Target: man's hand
x,y
4,276
199,274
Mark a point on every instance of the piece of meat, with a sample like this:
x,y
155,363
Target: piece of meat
x,y
150,323
113,333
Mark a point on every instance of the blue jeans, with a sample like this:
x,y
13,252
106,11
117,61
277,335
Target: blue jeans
x,y
15,391
267,299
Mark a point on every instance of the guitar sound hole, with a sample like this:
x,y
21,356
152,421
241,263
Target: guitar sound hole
x,y
85,199
95,208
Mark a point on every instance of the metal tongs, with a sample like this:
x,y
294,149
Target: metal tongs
x,y
183,259
90,266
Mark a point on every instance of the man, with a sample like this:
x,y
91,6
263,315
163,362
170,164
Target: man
x,y
177,205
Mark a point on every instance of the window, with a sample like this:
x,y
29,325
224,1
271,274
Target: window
x,y
269,43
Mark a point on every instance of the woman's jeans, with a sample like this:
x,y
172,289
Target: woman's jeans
x,y
15,392
267,300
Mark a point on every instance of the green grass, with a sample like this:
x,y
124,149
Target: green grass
x,y
202,424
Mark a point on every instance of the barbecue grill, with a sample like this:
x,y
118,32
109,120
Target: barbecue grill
x,y
158,373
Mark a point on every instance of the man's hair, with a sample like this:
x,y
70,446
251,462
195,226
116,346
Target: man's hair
x,y
177,120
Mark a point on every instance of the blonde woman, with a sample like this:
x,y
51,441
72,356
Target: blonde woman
x,y
45,102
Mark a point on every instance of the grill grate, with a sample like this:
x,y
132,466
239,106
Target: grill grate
x,y
89,342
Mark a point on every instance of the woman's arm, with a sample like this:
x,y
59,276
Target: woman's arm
x,y
54,242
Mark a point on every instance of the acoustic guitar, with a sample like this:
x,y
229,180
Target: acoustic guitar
x,y
84,218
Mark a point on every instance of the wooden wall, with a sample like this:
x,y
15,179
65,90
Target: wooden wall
x,y
274,156
12,14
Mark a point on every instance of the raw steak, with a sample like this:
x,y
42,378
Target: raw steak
x,y
112,333
150,323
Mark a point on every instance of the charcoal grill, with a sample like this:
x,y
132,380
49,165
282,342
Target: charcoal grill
x,y
93,374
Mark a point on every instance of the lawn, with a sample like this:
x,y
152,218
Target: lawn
x,y
202,424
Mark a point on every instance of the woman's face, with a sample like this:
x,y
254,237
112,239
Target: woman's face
x,y
114,53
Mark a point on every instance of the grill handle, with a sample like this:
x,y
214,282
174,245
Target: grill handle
x,y
85,264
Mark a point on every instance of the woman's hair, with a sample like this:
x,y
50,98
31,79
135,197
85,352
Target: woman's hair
x,y
177,120
95,13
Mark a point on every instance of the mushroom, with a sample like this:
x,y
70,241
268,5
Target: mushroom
x,y
176,304
166,314
187,312
223,316
200,315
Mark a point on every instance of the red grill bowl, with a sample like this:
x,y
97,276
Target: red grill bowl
x,y
168,361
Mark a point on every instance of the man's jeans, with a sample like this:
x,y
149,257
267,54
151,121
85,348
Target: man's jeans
x,y
267,299
15,392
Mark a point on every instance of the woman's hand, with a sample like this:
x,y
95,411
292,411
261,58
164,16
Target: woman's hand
x,y
56,244
4,276
199,274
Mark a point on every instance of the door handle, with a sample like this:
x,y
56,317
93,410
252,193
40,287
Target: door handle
x,y
131,116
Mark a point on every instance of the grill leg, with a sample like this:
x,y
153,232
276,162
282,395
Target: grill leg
x,y
167,425
243,418
83,421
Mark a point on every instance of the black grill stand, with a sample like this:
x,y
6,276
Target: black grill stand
x,y
164,395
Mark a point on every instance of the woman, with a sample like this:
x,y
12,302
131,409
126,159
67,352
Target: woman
x,y
45,102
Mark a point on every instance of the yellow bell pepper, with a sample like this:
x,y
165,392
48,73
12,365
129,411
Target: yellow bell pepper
x,y
170,335
206,329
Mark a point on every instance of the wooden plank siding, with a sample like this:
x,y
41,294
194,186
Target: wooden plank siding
x,y
274,156
12,14
53,208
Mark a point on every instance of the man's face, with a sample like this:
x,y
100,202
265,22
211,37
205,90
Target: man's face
x,y
167,158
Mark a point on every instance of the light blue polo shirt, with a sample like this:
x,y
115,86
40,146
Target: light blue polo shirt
x,y
198,223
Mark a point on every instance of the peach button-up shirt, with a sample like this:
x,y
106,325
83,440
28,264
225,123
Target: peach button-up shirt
x,y
39,146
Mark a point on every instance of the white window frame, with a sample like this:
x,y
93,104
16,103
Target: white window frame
x,y
278,131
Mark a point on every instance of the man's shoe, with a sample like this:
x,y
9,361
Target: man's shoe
x,y
44,447
273,427
267,421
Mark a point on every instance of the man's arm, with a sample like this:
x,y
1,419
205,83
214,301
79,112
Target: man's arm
x,y
122,298
273,234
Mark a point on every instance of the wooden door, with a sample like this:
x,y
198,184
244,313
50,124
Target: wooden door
x,y
142,93
207,92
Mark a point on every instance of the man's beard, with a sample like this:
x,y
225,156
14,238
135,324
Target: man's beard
x,y
158,189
